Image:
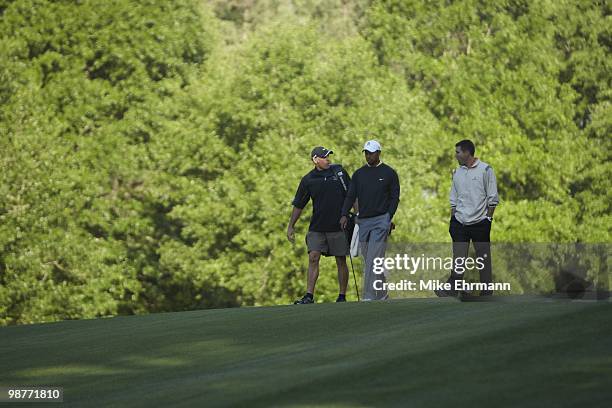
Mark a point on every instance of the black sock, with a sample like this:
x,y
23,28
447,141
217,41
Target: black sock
x,y
341,296
309,295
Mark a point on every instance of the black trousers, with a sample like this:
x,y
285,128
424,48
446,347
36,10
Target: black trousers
x,y
480,235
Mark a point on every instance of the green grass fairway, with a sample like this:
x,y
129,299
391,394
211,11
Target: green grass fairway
x,y
419,353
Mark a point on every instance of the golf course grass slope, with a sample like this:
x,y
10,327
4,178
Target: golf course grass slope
x,y
520,352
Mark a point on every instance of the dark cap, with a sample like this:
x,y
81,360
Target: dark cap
x,y
320,151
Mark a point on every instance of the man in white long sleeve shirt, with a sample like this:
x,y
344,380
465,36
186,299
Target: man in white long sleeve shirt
x,y
473,198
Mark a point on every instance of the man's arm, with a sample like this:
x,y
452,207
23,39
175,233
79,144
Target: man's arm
x,y
351,195
302,195
349,201
453,195
394,194
295,214
491,191
348,182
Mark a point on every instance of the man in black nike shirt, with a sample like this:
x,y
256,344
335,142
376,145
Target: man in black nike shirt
x,y
376,187
326,184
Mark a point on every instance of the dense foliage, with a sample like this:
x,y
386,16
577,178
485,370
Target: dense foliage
x,y
149,150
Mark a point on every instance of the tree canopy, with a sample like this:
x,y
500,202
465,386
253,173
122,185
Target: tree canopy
x,y
149,151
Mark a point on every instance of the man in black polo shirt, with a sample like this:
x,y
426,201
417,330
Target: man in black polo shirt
x,y
326,185
376,187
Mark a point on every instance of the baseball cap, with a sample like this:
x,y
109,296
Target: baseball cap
x,y
372,146
320,151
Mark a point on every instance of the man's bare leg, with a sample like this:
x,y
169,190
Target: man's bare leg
x,y
313,270
343,274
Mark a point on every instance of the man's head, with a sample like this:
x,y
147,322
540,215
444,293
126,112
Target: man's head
x,y
320,157
464,151
371,150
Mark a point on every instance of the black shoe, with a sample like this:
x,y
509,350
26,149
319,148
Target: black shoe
x,y
446,293
341,299
304,300
450,292
467,297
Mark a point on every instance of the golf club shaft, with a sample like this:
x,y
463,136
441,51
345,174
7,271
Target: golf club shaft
x,y
354,277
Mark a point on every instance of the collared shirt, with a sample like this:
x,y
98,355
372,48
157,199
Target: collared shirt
x,y
327,193
473,190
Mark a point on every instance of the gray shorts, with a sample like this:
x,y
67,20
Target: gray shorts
x,y
328,243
